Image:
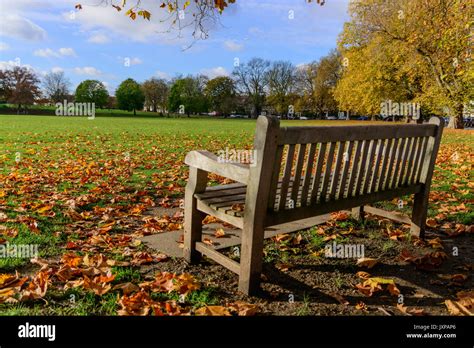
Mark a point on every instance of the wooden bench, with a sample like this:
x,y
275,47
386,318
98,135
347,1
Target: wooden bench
x,y
302,172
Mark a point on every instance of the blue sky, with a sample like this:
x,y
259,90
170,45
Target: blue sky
x,y
96,42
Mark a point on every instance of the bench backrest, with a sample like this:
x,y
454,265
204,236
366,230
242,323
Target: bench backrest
x,y
320,166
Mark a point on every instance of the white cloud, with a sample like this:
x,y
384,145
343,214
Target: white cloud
x,y
10,64
109,87
4,46
99,19
21,28
56,69
67,51
256,31
48,52
133,61
98,39
87,70
45,53
215,72
233,46
163,75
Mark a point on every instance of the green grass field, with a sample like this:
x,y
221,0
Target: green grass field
x,y
65,179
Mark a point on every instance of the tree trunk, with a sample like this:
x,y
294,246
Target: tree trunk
x,y
134,112
456,120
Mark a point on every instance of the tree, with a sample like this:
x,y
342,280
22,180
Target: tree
x,y
130,96
186,96
369,78
20,86
251,80
220,92
180,14
429,50
4,86
281,79
328,73
92,91
56,86
156,94
305,85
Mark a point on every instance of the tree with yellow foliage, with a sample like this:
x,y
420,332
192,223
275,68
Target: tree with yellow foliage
x,y
417,51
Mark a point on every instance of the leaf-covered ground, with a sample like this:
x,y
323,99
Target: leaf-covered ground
x,y
82,190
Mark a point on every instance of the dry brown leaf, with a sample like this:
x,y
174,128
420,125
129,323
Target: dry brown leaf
x,y
137,304
37,287
219,233
363,275
410,311
127,288
213,311
98,285
208,241
367,262
244,309
339,216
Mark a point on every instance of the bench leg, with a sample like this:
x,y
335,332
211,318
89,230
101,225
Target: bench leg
x,y
192,217
251,259
419,213
358,213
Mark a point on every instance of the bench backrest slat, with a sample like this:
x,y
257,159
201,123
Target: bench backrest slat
x,y
325,134
347,155
317,165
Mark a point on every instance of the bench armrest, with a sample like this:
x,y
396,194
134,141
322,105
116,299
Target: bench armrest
x,y
208,162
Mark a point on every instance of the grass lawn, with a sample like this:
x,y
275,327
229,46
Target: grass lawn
x,y
79,189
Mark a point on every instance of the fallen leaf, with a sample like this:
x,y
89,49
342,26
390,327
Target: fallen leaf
x,y
367,262
219,233
435,243
243,309
361,306
410,311
339,216
207,241
213,311
375,284
127,288
431,223
363,275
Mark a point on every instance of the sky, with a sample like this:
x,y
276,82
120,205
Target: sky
x,y
100,43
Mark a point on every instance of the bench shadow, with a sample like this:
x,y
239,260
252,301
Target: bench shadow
x,y
302,290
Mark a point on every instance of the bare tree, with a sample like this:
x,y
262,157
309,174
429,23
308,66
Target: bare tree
x,y
305,84
251,80
56,86
316,82
281,78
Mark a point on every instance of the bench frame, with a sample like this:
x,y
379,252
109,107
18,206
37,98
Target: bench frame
x,y
262,178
